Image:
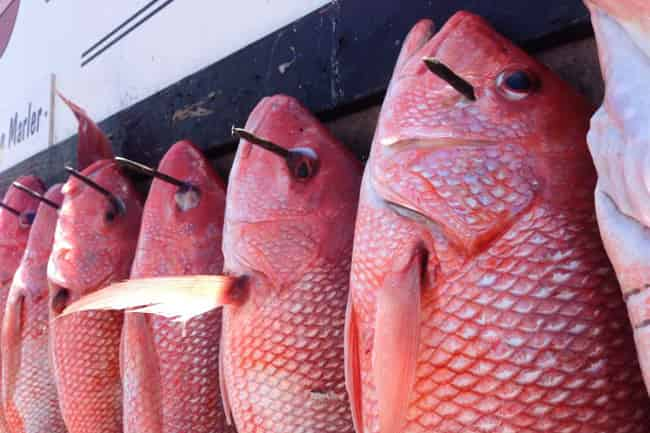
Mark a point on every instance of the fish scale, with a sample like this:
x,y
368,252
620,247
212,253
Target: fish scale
x,y
481,298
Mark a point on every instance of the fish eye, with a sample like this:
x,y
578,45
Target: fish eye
x,y
26,219
110,215
303,163
516,84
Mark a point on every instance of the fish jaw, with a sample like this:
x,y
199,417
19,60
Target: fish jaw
x,y
91,249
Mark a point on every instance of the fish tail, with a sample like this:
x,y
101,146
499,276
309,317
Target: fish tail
x,y
178,298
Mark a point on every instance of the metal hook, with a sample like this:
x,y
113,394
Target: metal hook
x,y
266,144
9,209
117,204
149,171
454,80
36,195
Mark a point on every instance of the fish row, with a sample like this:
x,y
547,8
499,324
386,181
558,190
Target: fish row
x,y
458,283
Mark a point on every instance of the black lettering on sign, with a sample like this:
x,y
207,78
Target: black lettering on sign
x,y
23,127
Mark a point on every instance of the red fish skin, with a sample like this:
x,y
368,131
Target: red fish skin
x,y
282,348
92,143
481,297
13,240
92,248
170,370
29,395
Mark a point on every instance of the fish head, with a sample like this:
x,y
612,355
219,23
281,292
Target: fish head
x,y
14,230
468,165
191,216
279,217
31,277
95,238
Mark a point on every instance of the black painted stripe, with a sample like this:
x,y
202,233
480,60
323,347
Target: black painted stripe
x,y
129,30
120,27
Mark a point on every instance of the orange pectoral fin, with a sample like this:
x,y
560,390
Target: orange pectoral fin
x,y
395,348
11,352
176,298
353,366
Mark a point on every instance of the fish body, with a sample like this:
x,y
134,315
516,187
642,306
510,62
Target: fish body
x,y
619,141
291,239
481,298
94,245
14,232
170,371
28,392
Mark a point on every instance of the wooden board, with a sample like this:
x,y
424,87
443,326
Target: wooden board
x,y
337,60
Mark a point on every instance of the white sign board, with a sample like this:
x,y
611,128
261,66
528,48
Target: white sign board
x,y
26,124
108,55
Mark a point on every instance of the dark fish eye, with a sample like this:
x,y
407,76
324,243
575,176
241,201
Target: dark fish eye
x,y
60,300
303,163
110,215
517,84
27,218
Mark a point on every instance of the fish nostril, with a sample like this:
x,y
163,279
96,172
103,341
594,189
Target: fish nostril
x,y
60,300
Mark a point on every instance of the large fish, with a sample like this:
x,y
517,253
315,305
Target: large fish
x,y
481,297
170,371
619,140
28,391
94,245
14,231
287,243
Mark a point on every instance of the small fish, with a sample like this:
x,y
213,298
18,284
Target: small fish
x,y
481,298
14,231
94,245
170,372
288,232
619,141
28,391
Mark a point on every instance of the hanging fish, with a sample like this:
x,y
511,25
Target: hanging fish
x,y
481,298
94,245
291,204
619,140
170,372
29,395
17,212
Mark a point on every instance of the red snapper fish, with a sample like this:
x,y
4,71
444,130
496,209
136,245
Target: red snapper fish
x,y
619,140
94,245
287,242
28,391
16,216
170,372
481,298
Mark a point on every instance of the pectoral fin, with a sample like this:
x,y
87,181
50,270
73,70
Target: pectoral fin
x,y
11,347
395,349
353,366
177,298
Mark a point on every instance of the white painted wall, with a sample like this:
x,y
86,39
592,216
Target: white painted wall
x,y
186,36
